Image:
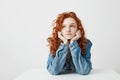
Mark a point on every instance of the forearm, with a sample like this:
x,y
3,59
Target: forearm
x,y
82,65
56,64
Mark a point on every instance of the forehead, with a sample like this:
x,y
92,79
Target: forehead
x,y
69,21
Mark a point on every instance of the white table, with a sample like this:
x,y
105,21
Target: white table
x,y
96,74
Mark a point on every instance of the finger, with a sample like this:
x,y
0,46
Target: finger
x,y
58,32
78,33
60,36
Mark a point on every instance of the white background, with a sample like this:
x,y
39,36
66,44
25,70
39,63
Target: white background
x,y
26,24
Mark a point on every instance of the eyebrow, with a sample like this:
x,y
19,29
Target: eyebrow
x,y
72,23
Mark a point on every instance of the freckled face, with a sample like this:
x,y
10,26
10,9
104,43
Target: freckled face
x,y
69,28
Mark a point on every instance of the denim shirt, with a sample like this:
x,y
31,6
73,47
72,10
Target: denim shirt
x,y
78,63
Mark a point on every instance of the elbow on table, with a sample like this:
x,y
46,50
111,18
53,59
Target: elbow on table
x,y
84,72
53,72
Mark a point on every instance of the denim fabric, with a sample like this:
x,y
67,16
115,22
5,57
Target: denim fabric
x,y
78,63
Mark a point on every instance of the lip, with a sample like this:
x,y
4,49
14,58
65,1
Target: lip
x,y
68,34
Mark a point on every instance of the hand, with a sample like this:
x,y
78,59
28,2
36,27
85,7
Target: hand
x,y
65,41
77,36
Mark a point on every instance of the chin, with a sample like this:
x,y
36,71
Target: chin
x,y
68,37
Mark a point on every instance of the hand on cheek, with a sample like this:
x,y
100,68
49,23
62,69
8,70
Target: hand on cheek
x,y
76,37
65,41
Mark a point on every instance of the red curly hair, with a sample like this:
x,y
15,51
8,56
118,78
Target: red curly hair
x,y
54,41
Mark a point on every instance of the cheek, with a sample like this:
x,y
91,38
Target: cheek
x,y
74,32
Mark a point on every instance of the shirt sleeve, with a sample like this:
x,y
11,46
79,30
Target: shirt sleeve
x,y
82,64
55,64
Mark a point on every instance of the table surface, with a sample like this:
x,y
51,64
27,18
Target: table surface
x,y
96,74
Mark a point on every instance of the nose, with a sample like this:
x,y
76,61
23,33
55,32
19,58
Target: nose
x,y
68,29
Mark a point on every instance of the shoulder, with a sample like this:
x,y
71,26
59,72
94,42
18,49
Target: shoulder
x,y
89,43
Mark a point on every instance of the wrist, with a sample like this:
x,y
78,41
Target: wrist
x,y
71,41
65,41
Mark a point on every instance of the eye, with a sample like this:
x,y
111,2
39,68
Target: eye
x,y
72,26
63,26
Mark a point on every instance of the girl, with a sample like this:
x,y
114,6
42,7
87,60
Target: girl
x,y
69,48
